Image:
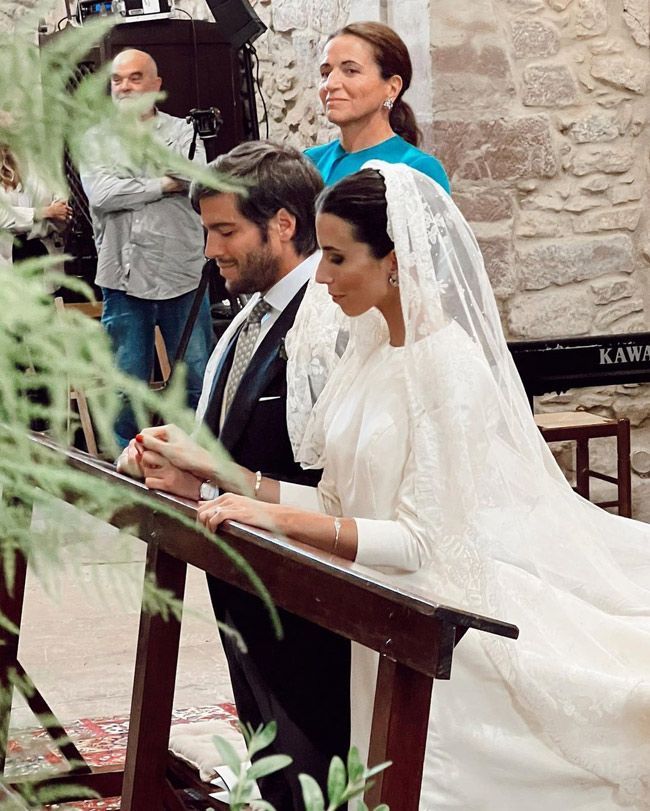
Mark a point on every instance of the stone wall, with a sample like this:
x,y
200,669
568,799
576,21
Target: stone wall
x,y
541,116
289,55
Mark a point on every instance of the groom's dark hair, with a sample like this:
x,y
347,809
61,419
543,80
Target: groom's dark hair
x,y
360,200
270,177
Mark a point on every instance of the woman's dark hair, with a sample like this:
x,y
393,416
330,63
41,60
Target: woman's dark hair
x,y
9,171
273,176
393,59
360,200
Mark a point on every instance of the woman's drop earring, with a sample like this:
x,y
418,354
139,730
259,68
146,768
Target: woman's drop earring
x,y
393,281
389,104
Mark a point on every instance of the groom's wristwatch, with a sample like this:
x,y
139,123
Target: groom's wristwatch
x,y
208,490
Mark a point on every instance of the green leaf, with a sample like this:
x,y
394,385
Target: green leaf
x,y
355,766
376,769
362,806
268,765
262,737
382,807
311,794
230,757
56,793
261,805
246,730
336,781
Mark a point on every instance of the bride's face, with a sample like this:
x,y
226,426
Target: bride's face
x,y
356,280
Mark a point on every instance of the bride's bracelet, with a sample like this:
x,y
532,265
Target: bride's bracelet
x,y
337,535
258,483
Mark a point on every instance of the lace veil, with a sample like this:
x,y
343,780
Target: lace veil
x,y
508,536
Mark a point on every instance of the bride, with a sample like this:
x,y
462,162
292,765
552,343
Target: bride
x,y
434,471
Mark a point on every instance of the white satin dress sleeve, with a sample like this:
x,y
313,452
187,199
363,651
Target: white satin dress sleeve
x,y
369,471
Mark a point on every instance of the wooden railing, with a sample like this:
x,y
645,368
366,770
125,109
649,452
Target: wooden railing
x,y
414,636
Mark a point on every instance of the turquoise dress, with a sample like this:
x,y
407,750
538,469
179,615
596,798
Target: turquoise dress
x,y
334,163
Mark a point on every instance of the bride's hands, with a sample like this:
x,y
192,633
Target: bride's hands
x,y
240,508
172,443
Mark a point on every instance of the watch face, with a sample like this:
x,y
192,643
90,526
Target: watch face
x,y
207,491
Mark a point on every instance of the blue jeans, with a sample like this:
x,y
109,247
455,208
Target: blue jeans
x,y
130,323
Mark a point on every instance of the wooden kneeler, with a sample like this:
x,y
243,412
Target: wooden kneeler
x,y
413,634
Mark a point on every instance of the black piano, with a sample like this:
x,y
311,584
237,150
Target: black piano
x,y
558,364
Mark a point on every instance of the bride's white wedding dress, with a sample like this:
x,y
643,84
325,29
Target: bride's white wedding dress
x,y
432,449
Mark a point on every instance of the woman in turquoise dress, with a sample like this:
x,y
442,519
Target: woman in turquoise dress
x,y
365,71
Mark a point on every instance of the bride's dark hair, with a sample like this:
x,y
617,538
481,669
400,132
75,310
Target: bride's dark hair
x,y
360,200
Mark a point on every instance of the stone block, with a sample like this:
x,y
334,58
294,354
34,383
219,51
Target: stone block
x,y
550,313
608,315
325,17
644,244
307,51
591,18
582,202
538,224
276,108
527,6
495,149
284,80
498,258
486,60
594,129
549,86
533,38
625,193
546,201
611,219
559,5
621,72
288,15
615,159
484,205
596,184
636,14
593,398
573,260
302,113
485,96
607,290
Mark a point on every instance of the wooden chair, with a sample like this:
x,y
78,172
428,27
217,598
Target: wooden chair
x,y
94,309
581,427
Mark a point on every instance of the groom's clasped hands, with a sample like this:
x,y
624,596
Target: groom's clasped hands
x,y
166,458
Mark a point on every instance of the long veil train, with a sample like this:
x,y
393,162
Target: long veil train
x,y
508,536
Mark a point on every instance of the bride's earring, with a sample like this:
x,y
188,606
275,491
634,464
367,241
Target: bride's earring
x,y
393,281
389,104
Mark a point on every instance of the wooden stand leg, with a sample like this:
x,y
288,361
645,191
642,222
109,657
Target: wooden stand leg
x,y
86,423
153,692
11,606
399,733
624,474
582,467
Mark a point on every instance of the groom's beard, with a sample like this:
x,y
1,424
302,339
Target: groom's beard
x,y
259,270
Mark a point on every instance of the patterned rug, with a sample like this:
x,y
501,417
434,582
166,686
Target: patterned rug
x,y
101,741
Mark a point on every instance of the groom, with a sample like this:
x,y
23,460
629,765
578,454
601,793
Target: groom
x,y
264,242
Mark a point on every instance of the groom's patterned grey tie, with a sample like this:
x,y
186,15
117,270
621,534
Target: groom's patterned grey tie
x,y
244,349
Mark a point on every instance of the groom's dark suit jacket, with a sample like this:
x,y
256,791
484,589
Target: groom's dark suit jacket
x,y
302,681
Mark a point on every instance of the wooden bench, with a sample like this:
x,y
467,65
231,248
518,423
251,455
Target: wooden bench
x,y
415,637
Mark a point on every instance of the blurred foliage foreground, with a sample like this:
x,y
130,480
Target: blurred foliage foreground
x,y
42,351
43,111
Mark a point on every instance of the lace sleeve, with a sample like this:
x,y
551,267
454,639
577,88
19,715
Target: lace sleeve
x,y
314,346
